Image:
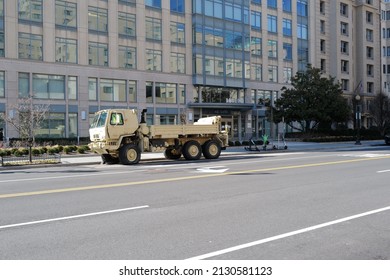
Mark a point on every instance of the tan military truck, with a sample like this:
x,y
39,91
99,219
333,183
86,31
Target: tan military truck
x,y
117,136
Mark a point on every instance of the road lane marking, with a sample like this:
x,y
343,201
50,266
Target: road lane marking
x,y
383,171
288,234
213,169
73,217
167,180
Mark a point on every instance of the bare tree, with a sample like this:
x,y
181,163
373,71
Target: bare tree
x,y
380,111
27,117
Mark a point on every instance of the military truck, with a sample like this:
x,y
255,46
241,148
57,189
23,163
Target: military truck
x,y
118,136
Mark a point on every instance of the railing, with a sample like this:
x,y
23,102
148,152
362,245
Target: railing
x,y
27,160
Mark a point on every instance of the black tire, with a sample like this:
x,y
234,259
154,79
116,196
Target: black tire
x,y
211,149
192,150
129,154
170,153
109,159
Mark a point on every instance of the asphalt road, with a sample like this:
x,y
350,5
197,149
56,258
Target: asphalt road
x,y
302,205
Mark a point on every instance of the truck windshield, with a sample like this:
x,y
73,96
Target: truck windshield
x,y
99,120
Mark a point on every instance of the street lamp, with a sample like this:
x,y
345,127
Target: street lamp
x,y
358,117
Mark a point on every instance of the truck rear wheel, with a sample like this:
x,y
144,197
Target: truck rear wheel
x,y
211,149
170,153
192,150
129,154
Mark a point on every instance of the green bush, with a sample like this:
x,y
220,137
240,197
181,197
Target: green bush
x,y
237,143
67,150
18,153
81,150
35,151
3,153
24,151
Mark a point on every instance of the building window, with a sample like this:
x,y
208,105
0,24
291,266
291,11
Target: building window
x,y
256,48
66,14
344,66
53,126
30,10
272,23
287,75
165,93
2,83
30,46
287,27
177,6
126,24
153,60
344,9
256,20
177,63
212,8
344,47
370,87
24,85
72,88
48,86
272,49
92,88
153,29
2,52
112,90
322,7
132,91
287,49
322,26
73,125
344,28
127,57
128,2
273,73
258,2
370,52
323,65
177,32
322,46
369,17
153,3
235,12
272,4
302,32
98,54
97,19
369,35
370,70
257,70
287,6
345,84
66,50
302,8
149,92
182,94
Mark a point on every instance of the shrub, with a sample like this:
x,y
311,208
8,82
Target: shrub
x,y
3,153
67,150
52,151
237,143
35,151
23,151
81,150
18,153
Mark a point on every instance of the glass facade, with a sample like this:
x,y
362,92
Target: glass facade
x,y
66,14
30,10
229,56
30,46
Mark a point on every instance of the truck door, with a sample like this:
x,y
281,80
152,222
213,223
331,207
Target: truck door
x,y
115,125
226,124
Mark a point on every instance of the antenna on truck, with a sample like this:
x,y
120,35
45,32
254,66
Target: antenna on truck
x,y
143,113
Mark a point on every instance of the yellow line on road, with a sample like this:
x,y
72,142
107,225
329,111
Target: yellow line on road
x,y
126,184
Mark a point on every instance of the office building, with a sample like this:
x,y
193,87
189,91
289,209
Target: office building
x,y
178,59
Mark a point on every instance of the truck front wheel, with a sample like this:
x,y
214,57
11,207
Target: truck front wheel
x,y
192,150
129,154
211,149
